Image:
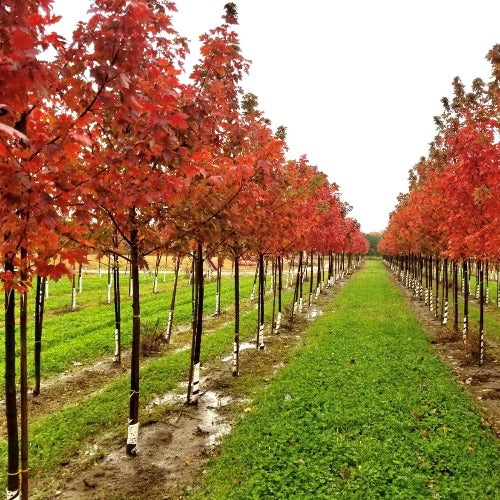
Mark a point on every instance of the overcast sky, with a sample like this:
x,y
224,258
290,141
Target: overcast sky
x,y
356,83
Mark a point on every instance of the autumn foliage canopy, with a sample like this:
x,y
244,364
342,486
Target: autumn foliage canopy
x,y
110,136
452,209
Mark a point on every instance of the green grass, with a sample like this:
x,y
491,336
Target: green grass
x,y
62,434
365,410
87,334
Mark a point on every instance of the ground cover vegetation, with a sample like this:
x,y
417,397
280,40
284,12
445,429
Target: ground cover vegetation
x,y
365,410
60,434
87,334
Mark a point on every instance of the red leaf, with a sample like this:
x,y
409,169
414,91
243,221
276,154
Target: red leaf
x,y
82,138
14,133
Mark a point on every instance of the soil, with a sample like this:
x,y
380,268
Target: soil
x,y
482,383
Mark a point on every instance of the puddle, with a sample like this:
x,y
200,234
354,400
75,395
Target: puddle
x,y
166,398
243,347
211,423
314,312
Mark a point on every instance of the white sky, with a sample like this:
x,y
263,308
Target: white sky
x,y
356,83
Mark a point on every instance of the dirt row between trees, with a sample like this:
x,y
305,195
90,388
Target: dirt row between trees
x,y
482,383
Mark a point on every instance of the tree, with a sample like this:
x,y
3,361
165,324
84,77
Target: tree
x,y
129,51
36,146
373,239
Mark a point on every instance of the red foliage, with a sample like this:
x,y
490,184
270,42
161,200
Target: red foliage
x,y
453,207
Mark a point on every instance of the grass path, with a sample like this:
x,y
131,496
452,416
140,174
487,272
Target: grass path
x,y
365,410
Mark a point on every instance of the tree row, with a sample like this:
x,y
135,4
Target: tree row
x,y
110,148
447,225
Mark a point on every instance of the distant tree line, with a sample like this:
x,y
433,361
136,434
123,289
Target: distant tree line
x,y
373,239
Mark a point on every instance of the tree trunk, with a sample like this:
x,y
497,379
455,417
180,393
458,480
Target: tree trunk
x,y
436,312
109,278
218,290
131,282
117,303
194,392
420,276
133,422
274,282
426,274
39,309
194,302
498,285
157,270
168,332
330,269
445,292
252,297
311,279
262,291
481,265
10,388
300,278
265,277
80,279
486,283
478,265
322,259
319,277
431,301
23,338
455,297
236,346
73,291
280,288
289,278
298,281
465,328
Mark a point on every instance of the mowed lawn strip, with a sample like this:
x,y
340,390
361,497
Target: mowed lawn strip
x,y
60,435
365,410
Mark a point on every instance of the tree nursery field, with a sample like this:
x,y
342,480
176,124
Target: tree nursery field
x,y
189,311
350,401
364,410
